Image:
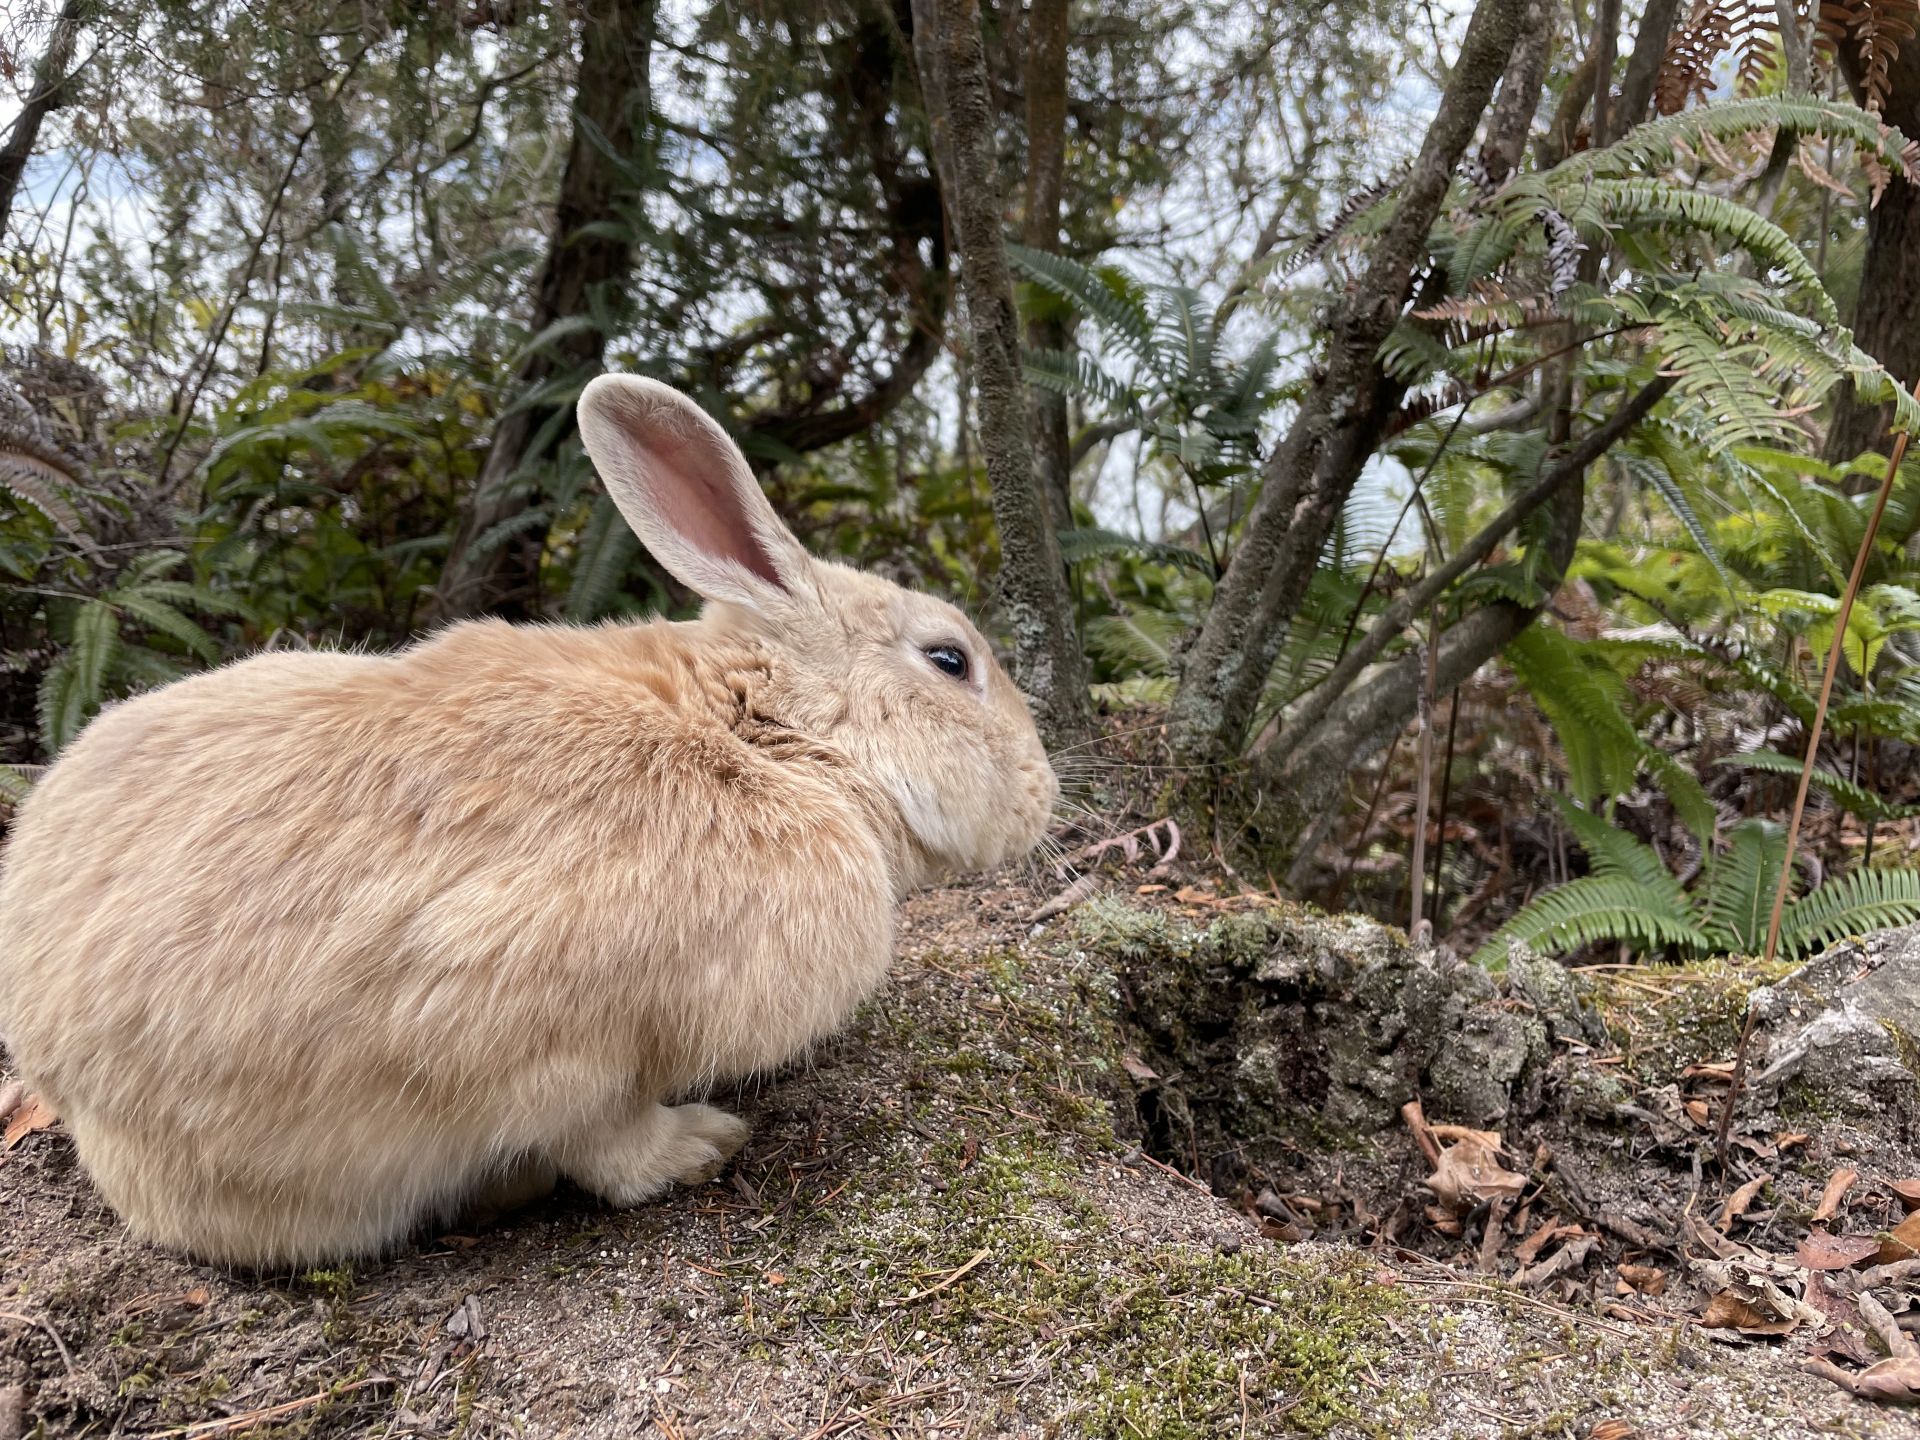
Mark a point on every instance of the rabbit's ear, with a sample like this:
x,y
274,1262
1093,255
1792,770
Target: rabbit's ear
x,y
685,488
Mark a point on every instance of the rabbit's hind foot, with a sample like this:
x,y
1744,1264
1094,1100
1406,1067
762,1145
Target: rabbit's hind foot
x,y
635,1158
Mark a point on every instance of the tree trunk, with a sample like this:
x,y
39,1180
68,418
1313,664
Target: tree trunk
x,y
1887,317
1046,651
52,88
613,95
1046,168
1339,426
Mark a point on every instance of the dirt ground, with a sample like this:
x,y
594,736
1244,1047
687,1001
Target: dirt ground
x,y
943,1226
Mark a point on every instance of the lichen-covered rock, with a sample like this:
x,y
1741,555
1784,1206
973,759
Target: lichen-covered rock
x,y
1841,1028
1280,1021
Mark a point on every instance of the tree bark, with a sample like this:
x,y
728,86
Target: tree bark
x,y
1339,426
52,88
1643,66
1048,664
1047,32
1511,118
1308,775
1886,321
613,94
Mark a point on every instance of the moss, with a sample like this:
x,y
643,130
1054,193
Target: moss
x,y
1667,1017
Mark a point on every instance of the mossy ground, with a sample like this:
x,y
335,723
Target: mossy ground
x,y
942,1227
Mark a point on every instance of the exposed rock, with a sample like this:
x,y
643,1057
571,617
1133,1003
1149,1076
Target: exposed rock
x,y
1842,1028
1330,1023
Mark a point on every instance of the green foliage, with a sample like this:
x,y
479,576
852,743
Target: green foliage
x,y
1630,898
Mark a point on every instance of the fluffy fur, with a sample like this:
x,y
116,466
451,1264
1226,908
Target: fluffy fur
x,y
310,948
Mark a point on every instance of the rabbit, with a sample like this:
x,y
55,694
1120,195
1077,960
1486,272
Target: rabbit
x,y
311,950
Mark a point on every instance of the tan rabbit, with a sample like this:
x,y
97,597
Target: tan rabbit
x,y
315,947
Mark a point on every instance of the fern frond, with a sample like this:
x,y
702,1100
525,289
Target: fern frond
x,y
1591,910
163,618
1076,375
1852,797
1612,851
1740,883
1852,904
605,549
1104,298
1097,543
1586,706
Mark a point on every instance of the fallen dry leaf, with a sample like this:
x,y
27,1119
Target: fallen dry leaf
x,y
1727,1311
1564,1261
1647,1279
1738,1202
33,1114
1902,1242
1830,1198
1908,1191
1469,1172
1613,1430
1791,1139
195,1298
1821,1251
1138,1069
1550,1230
1698,1112
1896,1382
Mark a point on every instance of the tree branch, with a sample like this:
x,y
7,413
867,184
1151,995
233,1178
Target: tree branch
x,y
1395,618
1337,429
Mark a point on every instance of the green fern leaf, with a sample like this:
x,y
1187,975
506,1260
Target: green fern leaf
x,y
1857,902
1592,910
1740,884
1094,543
1852,797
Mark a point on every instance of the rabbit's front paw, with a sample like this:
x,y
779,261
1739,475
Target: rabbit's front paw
x,y
708,1138
632,1162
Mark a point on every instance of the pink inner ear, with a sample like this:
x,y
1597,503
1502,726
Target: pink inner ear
x,y
693,489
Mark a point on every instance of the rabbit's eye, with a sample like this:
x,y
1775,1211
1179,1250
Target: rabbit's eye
x,y
949,660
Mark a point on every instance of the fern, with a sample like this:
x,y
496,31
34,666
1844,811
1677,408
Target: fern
x,y
1104,297
1740,882
1585,706
1855,798
1862,900
1592,909
607,547
1096,543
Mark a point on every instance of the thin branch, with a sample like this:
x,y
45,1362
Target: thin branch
x,y
1814,733
1394,618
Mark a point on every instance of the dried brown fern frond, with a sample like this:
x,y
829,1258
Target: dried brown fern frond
x,y
1874,30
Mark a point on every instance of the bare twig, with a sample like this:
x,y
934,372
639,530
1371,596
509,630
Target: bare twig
x,y
1814,733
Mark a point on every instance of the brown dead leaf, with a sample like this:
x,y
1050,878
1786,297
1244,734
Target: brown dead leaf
x,y
1138,1069
1469,1172
1821,1251
1564,1261
1902,1242
1550,1230
1150,889
33,1114
1721,1072
1738,1202
1613,1430
196,1298
1698,1112
1908,1191
1194,895
1703,1235
1647,1279
1837,1186
1727,1311
1791,1139
1894,1382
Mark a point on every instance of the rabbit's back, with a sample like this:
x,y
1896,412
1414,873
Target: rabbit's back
x,y
313,919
